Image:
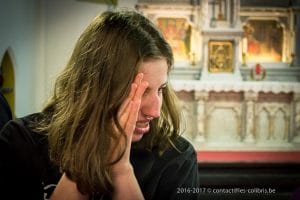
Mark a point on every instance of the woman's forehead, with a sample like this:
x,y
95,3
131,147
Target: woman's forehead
x,y
154,70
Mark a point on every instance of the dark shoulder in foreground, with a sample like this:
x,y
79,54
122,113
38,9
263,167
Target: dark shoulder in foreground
x,y
179,176
182,149
183,145
5,112
172,175
25,168
20,131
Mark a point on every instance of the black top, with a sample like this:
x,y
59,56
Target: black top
x,y
26,171
5,112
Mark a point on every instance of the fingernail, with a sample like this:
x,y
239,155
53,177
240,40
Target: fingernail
x,y
145,83
134,85
141,75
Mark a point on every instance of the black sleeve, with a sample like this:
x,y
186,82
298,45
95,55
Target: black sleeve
x,y
179,180
20,166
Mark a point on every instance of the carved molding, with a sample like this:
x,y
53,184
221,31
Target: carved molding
x,y
242,120
234,86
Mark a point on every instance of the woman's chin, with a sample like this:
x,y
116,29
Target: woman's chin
x,y
139,133
137,137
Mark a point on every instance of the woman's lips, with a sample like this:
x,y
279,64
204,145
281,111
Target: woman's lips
x,y
141,128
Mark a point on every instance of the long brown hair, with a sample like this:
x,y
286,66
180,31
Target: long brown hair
x,y
80,114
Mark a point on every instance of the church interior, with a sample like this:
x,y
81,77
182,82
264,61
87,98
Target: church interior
x,y
236,73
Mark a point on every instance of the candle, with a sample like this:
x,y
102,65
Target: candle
x,y
244,44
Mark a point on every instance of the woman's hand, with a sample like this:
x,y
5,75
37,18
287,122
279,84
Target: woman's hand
x,y
124,180
127,116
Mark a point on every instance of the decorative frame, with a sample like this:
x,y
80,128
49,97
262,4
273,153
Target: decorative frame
x,y
261,19
220,56
264,41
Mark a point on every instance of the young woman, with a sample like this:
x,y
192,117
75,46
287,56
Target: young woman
x,y
111,128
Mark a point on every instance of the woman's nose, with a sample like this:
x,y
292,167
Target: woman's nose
x,y
151,106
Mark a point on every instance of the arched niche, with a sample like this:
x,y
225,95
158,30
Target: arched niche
x,y
7,82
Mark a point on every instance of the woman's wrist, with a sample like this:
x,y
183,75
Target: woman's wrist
x,y
121,170
67,189
125,182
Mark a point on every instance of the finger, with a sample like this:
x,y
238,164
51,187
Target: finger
x,y
140,90
132,92
137,81
132,118
138,78
130,114
128,99
123,118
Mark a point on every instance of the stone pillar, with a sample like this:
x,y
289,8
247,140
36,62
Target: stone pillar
x,y
297,40
201,98
296,128
205,13
205,56
271,135
286,127
235,13
249,122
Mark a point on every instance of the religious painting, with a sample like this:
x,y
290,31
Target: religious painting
x,y
177,32
264,41
220,56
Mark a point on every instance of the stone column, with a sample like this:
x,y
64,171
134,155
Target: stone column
x,y
201,98
205,13
296,108
286,127
249,122
297,40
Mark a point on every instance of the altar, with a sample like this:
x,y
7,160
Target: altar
x,y
236,72
256,116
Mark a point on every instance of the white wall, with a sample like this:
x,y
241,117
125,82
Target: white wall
x,y
41,35
19,35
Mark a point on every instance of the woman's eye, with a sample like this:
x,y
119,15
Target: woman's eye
x,y
160,90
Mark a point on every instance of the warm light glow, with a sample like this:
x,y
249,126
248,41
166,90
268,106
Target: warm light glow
x,y
265,55
264,58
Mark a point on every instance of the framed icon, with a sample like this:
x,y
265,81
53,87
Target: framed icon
x,y
220,56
